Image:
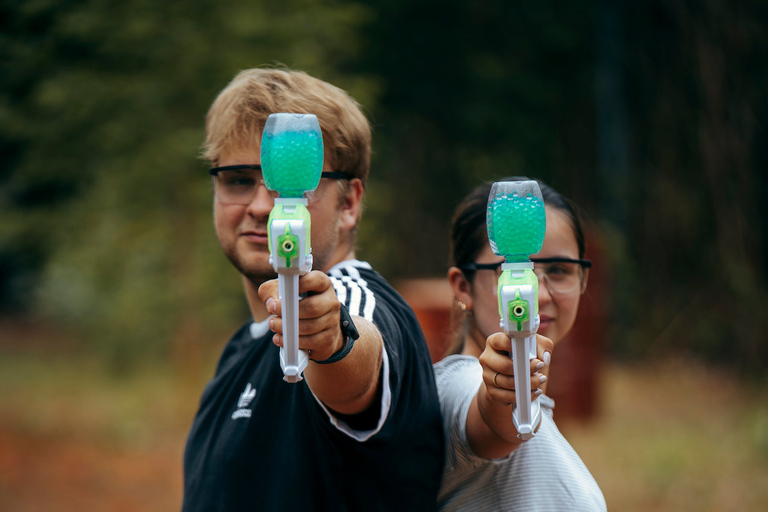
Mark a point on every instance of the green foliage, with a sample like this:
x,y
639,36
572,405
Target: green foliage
x,y
650,116
101,118
695,216
473,91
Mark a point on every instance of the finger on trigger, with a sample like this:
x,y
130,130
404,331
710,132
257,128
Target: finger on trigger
x,y
500,342
314,281
268,289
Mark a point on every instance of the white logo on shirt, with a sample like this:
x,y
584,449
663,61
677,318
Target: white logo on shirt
x,y
243,402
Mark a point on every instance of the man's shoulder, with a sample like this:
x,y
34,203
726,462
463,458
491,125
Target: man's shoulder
x,y
362,289
244,337
356,270
368,295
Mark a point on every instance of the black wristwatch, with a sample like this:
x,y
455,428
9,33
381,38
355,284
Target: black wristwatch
x,y
349,330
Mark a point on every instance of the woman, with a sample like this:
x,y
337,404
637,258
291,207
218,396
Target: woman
x,y
487,466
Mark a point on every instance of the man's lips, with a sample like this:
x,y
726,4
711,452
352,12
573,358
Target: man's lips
x,y
545,321
255,236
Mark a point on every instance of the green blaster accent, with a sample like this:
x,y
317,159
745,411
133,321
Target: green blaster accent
x,y
288,243
292,154
287,246
518,310
516,219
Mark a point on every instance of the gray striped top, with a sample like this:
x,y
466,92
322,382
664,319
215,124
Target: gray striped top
x,y
543,474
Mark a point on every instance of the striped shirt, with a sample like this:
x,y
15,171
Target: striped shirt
x,y
352,289
543,474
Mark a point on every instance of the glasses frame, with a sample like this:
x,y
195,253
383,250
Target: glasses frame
x,y
583,263
333,175
214,171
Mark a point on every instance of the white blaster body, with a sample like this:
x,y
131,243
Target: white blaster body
x,y
290,256
518,306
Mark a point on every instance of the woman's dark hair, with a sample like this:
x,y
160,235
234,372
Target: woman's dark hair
x,y
469,234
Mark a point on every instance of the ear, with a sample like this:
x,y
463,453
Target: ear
x,y
462,289
351,205
584,281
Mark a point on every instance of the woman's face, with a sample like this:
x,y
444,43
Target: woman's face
x,y
557,311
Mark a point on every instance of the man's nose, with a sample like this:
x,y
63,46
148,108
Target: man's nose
x,y
262,202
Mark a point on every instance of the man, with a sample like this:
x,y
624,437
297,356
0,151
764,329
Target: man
x,y
362,431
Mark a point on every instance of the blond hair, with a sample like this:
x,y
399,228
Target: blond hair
x,y
237,116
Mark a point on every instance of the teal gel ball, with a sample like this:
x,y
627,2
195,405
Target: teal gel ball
x,y
516,219
292,153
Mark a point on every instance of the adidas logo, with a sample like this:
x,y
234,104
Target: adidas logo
x,y
243,402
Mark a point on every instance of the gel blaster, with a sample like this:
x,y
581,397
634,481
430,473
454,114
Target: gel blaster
x,y
516,224
292,163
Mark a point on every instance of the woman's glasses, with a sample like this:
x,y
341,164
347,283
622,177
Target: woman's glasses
x,y
237,184
560,275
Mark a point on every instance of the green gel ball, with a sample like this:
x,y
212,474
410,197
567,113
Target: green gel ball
x,y
292,153
516,219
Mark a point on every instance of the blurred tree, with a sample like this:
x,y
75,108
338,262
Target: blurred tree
x,y
472,91
695,75
651,115
104,209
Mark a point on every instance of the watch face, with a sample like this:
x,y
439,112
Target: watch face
x,y
347,325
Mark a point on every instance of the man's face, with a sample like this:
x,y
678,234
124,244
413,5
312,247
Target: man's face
x,y
242,229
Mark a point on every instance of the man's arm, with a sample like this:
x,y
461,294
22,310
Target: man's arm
x,y
348,386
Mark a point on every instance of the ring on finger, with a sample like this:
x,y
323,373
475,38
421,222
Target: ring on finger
x,y
494,380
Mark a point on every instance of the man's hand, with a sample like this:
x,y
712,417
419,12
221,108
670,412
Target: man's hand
x,y
319,320
349,385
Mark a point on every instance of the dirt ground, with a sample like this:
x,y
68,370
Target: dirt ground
x,y
56,474
73,437
61,448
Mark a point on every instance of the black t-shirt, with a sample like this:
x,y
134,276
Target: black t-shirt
x,y
260,443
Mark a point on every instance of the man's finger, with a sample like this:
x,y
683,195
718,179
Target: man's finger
x,y
314,281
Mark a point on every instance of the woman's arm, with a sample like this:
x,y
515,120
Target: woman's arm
x,y
490,430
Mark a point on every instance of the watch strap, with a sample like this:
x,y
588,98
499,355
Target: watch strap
x,y
351,334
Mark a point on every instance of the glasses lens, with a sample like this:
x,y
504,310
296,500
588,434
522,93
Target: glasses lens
x,y
561,277
316,195
238,186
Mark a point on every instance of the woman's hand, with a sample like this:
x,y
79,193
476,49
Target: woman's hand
x,y
490,430
499,369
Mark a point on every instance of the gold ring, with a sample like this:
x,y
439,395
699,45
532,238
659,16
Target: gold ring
x,y
494,380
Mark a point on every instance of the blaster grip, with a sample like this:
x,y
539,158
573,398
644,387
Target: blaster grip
x,y
290,256
518,306
527,413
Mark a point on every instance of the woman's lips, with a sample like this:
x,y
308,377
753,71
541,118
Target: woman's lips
x,y
545,321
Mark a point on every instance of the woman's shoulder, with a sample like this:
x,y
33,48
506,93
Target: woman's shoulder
x,y
456,363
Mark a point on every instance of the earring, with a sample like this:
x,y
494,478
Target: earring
x,y
463,308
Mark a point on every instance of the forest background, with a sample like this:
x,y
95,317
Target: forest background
x,y
650,115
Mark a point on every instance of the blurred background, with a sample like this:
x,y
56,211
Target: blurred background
x,y
115,299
